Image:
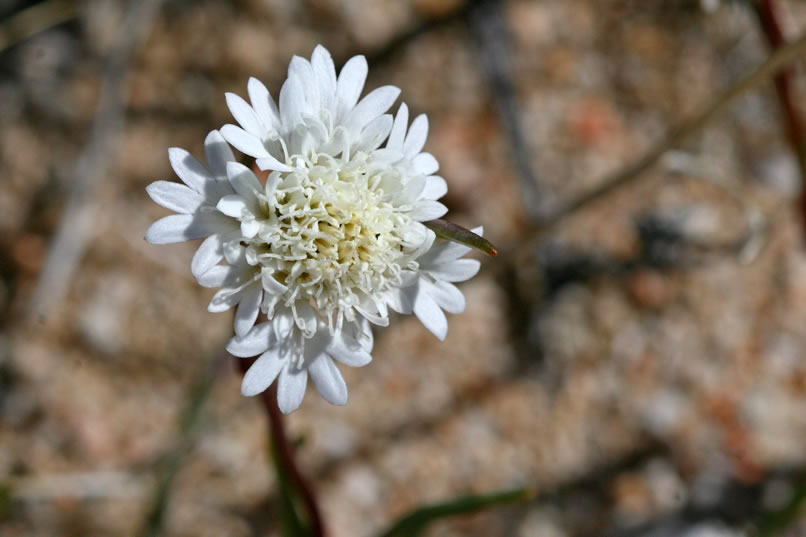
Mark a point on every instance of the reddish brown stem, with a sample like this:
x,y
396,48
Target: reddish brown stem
x,y
769,15
286,454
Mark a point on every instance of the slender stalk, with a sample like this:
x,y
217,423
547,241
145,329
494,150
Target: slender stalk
x,y
285,455
781,58
769,16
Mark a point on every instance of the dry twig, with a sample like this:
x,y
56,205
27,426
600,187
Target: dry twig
x,y
79,219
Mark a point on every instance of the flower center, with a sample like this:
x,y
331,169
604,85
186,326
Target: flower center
x,y
333,235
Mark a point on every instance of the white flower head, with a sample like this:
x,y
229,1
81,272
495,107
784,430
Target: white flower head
x,y
332,240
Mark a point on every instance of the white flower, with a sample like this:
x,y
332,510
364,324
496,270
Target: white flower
x,y
333,240
199,218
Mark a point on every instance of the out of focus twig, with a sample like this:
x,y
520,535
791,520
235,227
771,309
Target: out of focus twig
x,y
79,219
35,19
769,16
781,58
493,42
383,53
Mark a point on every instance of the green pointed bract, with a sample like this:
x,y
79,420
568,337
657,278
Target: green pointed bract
x,y
456,233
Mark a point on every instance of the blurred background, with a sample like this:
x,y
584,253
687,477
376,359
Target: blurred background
x,y
636,358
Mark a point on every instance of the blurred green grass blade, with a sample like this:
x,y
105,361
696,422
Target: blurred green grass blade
x,y
416,521
290,521
780,521
456,233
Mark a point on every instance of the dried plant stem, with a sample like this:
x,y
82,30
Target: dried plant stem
x,y
769,16
35,19
285,453
781,58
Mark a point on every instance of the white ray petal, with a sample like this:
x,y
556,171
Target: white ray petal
x,y
429,313
248,308
245,115
455,271
244,142
426,210
398,134
325,73
376,102
348,351
207,256
415,140
264,105
349,85
261,374
328,380
446,295
176,197
218,153
291,388
254,342
189,169
435,188
425,163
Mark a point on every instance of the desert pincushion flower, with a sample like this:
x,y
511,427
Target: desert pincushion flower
x,y
331,242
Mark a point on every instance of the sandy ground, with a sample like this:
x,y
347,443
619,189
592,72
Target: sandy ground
x,y
643,385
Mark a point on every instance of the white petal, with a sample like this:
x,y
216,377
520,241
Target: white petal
x,y
430,315
362,334
233,205
398,133
254,342
373,105
261,374
263,104
283,323
244,142
207,256
244,115
291,389
218,153
301,69
350,83
455,271
292,103
243,181
224,300
425,163
250,227
214,276
186,227
415,140
352,355
398,300
169,229
271,163
176,197
412,190
248,309
428,210
435,188
189,170
446,295
307,320
445,252
370,313
328,380
375,133
271,285
325,73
